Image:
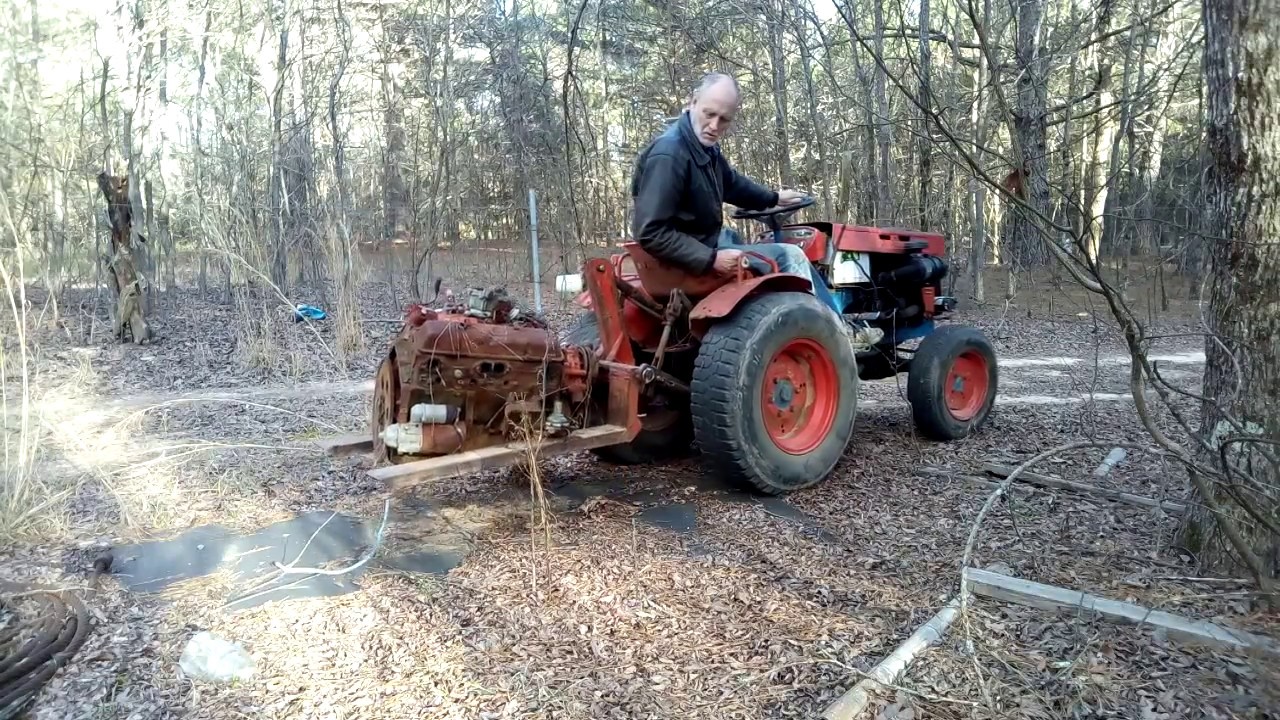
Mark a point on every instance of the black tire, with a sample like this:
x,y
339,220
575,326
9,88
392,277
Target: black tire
x,y
662,438
382,410
937,412
729,412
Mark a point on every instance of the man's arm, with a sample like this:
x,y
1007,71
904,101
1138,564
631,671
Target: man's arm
x,y
657,195
746,193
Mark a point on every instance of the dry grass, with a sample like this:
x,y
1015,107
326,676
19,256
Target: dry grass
x,y
30,493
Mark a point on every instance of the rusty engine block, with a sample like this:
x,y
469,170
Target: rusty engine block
x,y
476,374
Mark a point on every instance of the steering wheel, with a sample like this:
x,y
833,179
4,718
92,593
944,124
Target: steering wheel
x,y
772,216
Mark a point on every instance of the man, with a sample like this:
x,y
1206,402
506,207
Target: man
x,y
682,181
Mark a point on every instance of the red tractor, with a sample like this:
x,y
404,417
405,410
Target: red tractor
x,y
752,371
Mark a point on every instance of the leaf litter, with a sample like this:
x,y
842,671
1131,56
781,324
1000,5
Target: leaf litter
x,y
762,611
1041,664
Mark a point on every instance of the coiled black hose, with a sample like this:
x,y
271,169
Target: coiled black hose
x,y
34,647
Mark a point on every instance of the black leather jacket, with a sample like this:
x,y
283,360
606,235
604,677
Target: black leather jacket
x,y
678,192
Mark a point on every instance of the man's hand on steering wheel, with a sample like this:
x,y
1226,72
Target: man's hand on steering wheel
x,y
786,198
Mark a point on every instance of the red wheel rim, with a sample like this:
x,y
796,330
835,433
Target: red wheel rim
x,y
799,396
967,385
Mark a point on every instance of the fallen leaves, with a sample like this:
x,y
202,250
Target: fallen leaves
x,y
766,611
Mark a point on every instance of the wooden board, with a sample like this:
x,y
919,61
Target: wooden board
x,y
407,475
1027,592
348,444
887,671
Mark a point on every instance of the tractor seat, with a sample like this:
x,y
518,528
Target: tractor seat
x,y
658,279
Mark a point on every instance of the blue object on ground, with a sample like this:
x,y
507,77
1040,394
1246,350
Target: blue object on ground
x,y
308,312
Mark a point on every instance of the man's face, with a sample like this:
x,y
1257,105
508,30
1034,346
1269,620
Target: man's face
x,y
712,112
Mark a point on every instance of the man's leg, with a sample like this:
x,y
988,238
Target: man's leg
x,y
729,238
791,259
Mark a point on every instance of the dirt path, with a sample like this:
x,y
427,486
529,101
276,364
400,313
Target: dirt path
x,y
1108,364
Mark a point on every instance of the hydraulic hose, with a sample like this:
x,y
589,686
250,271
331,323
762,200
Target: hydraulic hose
x,y
34,645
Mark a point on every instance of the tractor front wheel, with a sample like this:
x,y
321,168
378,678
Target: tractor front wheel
x,y
775,393
951,383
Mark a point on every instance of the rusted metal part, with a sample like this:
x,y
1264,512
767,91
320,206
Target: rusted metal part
x,y
458,369
443,439
481,374
637,296
578,371
463,386
479,366
647,375
677,305
624,390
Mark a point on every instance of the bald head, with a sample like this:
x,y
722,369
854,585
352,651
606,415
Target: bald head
x,y
713,105
717,82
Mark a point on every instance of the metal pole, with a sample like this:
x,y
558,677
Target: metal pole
x,y
533,241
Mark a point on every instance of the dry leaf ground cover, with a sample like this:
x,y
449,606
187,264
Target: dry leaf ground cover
x,y
1038,665
638,593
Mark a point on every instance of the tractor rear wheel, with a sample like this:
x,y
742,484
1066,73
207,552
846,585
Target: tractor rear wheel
x,y
951,383
775,393
666,432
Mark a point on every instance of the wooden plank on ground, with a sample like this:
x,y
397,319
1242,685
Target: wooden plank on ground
x,y
887,671
1045,481
347,444
1027,592
407,475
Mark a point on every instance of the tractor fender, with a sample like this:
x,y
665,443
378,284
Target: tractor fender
x,y
725,299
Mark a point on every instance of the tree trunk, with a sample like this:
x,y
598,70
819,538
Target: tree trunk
x,y
819,129
779,67
395,190
1149,227
1104,133
884,131
924,141
126,280
1022,228
1243,85
978,200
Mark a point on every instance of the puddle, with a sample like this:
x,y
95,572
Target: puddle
x,y
316,539
682,517
423,536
